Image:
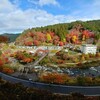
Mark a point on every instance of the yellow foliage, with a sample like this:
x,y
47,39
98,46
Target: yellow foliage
x,y
74,38
48,37
64,40
83,38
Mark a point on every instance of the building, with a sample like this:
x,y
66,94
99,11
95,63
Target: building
x,y
89,48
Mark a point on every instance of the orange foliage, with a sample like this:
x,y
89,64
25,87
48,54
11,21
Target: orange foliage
x,y
97,54
1,62
7,70
27,60
5,59
61,43
28,43
24,57
36,42
20,56
4,39
59,61
54,78
52,34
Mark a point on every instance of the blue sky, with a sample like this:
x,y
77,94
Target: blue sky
x,y
17,15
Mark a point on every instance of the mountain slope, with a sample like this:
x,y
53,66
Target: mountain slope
x,y
12,37
56,34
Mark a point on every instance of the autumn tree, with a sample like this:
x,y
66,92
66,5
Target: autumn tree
x,y
4,39
1,63
48,36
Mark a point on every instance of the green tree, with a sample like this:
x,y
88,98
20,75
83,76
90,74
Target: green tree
x,y
80,80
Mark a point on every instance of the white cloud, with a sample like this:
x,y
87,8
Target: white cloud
x,y
44,2
6,6
13,19
87,11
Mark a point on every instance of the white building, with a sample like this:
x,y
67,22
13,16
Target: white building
x,y
88,48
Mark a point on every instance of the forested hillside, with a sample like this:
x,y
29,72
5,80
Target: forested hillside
x,y
4,39
12,37
58,34
63,28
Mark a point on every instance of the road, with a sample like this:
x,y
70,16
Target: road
x,y
86,90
